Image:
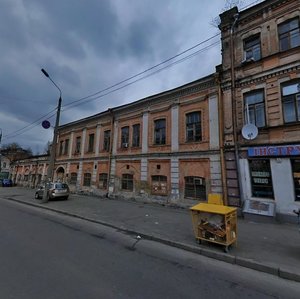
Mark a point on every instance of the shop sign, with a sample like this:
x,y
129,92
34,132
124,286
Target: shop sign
x,y
285,150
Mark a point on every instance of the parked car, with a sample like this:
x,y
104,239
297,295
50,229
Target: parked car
x,y
55,190
7,183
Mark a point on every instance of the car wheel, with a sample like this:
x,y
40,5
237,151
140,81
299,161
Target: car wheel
x,y
66,197
37,196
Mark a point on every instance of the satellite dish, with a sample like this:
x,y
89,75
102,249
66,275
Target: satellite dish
x,y
249,131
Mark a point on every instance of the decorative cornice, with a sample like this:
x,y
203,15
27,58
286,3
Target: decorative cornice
x,y
277,73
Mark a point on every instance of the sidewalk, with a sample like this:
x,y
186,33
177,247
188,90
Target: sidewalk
x,y
268,247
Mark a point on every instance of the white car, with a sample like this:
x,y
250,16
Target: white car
x,y
55,190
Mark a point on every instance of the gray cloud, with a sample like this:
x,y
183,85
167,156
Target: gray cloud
x,y
87,46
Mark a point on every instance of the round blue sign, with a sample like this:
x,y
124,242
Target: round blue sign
x,y
46,124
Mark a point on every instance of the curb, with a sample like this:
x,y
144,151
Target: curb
x,y
225,257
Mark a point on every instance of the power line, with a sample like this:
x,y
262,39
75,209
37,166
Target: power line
x,y
143,72
89,97
74,104
32,125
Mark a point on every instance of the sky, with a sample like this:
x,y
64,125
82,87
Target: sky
x,y
100,53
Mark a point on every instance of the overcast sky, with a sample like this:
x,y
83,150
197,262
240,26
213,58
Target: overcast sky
x,y
88,46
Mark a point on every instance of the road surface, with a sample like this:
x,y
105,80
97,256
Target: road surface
x,y
47,255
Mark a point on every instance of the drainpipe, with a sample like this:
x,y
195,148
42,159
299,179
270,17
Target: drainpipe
x,y
234,117
221,140
110,150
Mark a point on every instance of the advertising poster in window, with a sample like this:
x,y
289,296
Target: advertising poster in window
x,y
261,178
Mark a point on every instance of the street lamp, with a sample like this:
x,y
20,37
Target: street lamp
x,y
53,147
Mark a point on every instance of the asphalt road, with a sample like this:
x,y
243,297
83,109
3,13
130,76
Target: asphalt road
x,y
47,255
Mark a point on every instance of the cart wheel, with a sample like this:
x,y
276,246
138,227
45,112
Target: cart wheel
x,y
226,249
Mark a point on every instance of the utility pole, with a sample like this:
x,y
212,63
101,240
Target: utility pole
x,y
50,170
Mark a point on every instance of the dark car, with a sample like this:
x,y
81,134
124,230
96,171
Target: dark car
x,y
7,183
55,190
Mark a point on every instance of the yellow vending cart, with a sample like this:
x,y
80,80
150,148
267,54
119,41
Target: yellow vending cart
x,y
215,223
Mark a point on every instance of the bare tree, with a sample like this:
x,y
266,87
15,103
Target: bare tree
x,y
14,151
228,5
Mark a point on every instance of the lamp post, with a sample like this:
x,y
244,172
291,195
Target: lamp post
x,y
53,147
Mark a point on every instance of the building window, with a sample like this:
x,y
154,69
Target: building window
x,y
252,49
91,143
296,178
87,179
289,34
291,101
124,137
106,142
261,178
160,131
103,180
193,126
66,147
127,182
194,188
61,147
73,178
159,185
78,145
255,108
136,135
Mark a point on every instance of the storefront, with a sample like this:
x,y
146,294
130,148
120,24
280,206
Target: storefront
x,y
271,180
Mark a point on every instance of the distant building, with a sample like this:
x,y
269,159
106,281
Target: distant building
x,y
30,172
4,167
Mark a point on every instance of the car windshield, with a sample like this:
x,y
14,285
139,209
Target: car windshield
x,y
61,186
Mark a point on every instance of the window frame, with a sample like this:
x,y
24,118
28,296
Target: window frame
x,y
159,185
293,99
193,189
103,180
125,137
127,182
254,109
87,179
106,140
296,178
193,125
77,144
91,143
136,133
252,45
287,35
72,180
61,148
66,148
160,131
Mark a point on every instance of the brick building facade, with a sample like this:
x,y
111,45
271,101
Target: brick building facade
x,y
165,147
261,86
190,141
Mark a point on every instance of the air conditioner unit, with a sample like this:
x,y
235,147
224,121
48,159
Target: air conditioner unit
x,y
247,60
198,181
